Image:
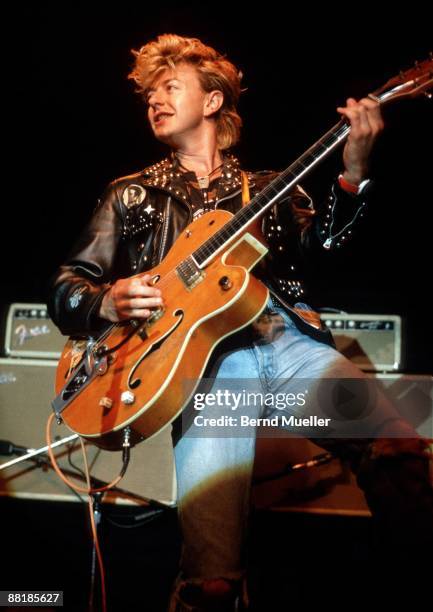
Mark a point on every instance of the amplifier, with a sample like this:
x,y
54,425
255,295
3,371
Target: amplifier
x,y
31,333
372,342
26,391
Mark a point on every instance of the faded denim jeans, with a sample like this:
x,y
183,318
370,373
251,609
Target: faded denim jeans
x,y
214,473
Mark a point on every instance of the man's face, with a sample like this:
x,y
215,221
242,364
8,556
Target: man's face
x,y
176,105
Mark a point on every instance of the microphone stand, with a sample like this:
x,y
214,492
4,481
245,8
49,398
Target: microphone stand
x,y
293,467
33,452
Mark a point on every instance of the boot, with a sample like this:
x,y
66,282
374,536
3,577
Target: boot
x,y
395,475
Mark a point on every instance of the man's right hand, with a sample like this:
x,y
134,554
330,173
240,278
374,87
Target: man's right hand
x,y
130,298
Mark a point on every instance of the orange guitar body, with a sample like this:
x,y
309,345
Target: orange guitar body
x,y
168,354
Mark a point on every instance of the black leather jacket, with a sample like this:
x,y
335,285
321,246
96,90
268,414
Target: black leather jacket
x,y
140,216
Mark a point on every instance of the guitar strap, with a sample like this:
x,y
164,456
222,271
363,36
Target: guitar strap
x,y
245,188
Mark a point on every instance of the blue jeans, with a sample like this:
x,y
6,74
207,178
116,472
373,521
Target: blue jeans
x,y
214,473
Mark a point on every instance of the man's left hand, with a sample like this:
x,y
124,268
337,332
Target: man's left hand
x,y
366,123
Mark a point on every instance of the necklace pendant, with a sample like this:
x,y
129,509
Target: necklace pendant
x,y
203,182
327,243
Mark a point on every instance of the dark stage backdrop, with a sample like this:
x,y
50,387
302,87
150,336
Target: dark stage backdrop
x,y
76,124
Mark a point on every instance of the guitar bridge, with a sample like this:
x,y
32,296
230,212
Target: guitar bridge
x,y
155,315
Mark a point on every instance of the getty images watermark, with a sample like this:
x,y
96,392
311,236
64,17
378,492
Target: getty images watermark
x,y
334,408
223,398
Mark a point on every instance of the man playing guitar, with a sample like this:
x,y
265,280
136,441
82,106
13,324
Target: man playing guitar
x,y
191,92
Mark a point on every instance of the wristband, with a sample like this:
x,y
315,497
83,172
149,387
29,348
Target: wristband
x,y
350,187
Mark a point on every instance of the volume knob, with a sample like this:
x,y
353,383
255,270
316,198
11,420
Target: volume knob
x,y
127,398
225,283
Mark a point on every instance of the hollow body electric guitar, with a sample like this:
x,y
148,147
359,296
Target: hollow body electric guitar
x,y
138,375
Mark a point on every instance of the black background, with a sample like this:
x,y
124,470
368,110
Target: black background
x,y
76,124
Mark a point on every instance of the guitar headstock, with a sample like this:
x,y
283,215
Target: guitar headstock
x,y
409,83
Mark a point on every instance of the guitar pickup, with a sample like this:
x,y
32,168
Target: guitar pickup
x,y
189,273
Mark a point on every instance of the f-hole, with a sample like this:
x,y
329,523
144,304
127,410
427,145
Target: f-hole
x,y
136,382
